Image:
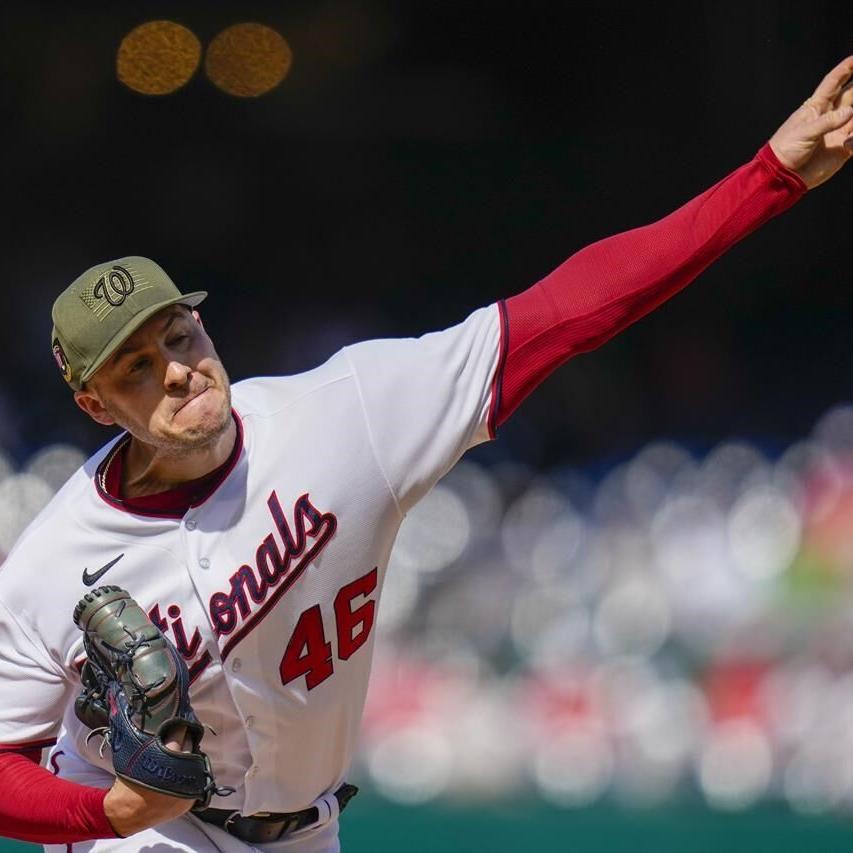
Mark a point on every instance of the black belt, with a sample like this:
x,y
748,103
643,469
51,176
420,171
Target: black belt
x,y
263,827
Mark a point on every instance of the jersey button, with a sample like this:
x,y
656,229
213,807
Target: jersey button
x,y
250,721
236,664
254,770
204,563
191,525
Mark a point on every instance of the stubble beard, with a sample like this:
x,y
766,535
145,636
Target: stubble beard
x,y
198,437
192,439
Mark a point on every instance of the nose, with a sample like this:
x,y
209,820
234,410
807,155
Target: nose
x,y
177,375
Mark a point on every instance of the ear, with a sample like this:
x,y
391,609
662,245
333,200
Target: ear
x,y
88,400
197,318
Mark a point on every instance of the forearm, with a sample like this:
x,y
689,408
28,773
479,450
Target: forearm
x,y
608,285
37,806
131,808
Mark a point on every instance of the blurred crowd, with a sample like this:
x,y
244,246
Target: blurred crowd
x,y
679,626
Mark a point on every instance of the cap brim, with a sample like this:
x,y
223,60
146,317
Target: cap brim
x,y
191,299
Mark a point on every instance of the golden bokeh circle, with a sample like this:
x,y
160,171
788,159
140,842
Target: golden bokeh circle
x,y
158,57
248,60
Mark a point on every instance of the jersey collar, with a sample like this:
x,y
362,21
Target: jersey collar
x,y
173,503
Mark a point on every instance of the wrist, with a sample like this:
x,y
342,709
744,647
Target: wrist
x,y
771,160
131,808
118,811
128,808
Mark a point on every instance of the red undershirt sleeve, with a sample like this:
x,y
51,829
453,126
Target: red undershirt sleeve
x,y
608,285
36,806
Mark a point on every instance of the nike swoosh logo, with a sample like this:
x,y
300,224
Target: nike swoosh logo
x,y
91,580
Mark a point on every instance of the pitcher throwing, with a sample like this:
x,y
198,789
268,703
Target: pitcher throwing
x,y
252,524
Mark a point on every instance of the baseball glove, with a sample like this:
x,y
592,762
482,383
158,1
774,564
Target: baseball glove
x,y
135,693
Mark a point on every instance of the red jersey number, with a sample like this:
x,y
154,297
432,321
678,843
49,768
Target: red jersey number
x,y
308,652
354,625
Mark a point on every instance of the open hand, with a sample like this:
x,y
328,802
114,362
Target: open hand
x,y
817,139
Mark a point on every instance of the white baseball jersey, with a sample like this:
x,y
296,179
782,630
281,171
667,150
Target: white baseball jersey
x,y
268,588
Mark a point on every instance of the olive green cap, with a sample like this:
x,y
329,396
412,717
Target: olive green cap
x,y
102,308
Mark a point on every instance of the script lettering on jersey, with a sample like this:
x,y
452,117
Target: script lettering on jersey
x,y
186,647
277,565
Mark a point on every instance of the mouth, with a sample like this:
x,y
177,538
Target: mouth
x,y
191,400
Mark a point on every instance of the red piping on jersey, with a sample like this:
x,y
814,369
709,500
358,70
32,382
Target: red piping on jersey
x,y
610,284
172,503
497,380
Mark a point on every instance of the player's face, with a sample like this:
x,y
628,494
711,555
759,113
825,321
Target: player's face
x,y
165,385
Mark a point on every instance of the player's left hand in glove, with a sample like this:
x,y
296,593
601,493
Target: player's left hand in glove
x,y
136,693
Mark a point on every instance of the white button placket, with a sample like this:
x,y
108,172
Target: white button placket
x,y
204,566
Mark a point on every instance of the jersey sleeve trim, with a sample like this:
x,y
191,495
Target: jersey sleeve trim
x,y
497,381
370,437
767,157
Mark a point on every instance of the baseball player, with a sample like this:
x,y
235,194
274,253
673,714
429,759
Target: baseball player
x,y
239,535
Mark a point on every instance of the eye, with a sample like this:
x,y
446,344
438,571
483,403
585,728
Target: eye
x,y
138,366
179,340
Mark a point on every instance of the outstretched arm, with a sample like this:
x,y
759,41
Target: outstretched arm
x,y
605,287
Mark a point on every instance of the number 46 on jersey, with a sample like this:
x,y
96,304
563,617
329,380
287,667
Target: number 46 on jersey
x,y
308,651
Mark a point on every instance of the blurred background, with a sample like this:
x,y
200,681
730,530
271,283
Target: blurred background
x,y
628,623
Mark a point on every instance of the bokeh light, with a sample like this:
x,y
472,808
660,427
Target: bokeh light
x,y
736,765
633,617
55,464
764,531
22,496
158,57
418,548
575,769
248,60
411,765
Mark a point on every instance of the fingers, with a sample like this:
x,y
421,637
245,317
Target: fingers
x,y
846,96
828,122
832,84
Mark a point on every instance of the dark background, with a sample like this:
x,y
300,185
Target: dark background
x,y
422,160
